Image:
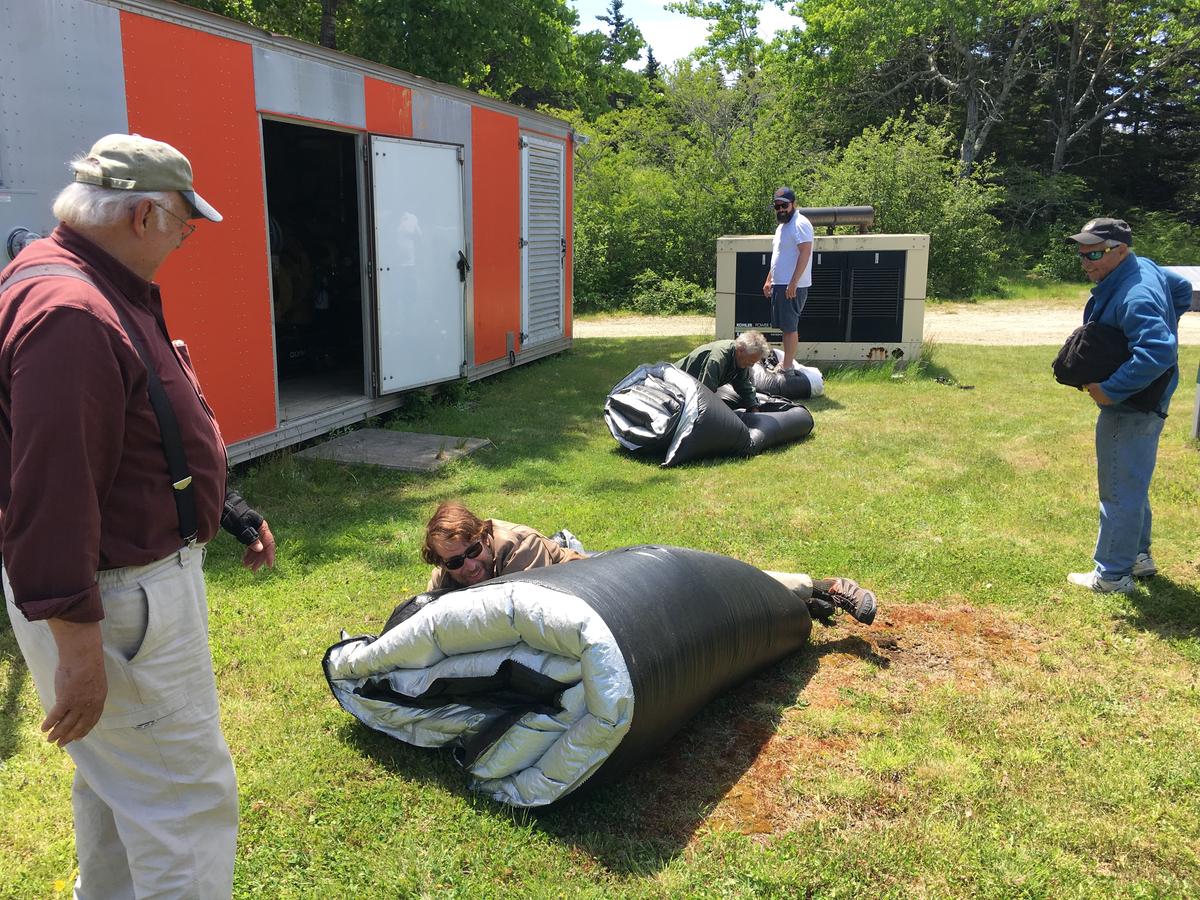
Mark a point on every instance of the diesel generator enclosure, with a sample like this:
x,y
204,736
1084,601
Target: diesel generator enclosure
x,y
382,232
866,303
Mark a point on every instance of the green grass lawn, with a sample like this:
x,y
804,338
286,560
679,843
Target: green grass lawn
x,y
995,733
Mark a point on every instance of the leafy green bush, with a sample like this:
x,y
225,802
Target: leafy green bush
x,y
1040,210
1159,236
1060,259
906,171
1164,238
654,295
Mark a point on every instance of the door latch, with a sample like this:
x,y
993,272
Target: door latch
x,y
463,267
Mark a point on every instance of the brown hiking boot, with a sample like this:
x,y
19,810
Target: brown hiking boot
x,y
848,595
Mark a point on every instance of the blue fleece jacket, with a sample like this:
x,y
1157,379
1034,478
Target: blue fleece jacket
x,y
1145,302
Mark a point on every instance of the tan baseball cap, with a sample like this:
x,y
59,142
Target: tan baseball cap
x,y
130,162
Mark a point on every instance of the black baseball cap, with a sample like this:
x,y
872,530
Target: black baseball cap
x,y
1098,231
786,193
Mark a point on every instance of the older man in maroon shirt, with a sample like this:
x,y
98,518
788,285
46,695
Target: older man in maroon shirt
x,y
102,558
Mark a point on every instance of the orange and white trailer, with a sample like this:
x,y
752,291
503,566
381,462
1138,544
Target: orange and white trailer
x,y
382,232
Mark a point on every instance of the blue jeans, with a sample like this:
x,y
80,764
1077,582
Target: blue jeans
x,y
1126,449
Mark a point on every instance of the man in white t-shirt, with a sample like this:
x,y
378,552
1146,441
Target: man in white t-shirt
x,y
790,275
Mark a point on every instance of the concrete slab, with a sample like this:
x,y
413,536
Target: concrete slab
x,y
405,450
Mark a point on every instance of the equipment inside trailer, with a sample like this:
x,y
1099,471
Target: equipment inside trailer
x,y
316,267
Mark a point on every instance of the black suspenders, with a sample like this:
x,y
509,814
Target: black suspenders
x,y
168,424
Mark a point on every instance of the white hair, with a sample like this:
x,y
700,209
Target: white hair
x,y
91,205
753,342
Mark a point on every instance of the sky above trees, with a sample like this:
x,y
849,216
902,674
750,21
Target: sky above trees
x,y
671,34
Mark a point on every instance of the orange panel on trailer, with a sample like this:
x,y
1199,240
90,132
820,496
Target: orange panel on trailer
x,y
496,189
196,91
388,106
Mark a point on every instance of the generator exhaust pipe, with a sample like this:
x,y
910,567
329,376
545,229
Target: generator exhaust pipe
x,y
834,216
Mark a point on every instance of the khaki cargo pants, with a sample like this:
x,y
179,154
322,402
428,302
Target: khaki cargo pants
x,y
155,796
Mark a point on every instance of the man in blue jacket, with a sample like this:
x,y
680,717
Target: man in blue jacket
x,y
1145,302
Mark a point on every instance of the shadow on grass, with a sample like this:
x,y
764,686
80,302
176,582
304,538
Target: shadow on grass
x,y
429,766
639,822
820,404
14,664
1170,610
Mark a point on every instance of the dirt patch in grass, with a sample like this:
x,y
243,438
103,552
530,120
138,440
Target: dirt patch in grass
x,y
782,750
909,649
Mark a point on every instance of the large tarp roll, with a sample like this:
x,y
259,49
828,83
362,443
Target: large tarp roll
x,y
643,415
549,679
658,408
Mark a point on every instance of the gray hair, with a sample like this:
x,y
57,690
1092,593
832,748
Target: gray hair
x,y
753,342
90,205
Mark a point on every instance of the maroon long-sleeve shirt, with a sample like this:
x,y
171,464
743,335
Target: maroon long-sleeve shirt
x,y
84,484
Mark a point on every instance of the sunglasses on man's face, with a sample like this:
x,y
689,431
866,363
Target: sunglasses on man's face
x,y
456,562
1093,255
779,206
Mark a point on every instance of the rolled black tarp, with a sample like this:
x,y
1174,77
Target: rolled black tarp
x,y
548,679
798,383
777,421
645,413
771,429
765,402
658,408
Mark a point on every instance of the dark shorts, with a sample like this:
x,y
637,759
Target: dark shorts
x,y
785,313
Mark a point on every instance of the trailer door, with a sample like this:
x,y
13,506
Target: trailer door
x,y
420,262
543,241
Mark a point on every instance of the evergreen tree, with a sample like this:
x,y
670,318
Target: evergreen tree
x,y
653,70
625,39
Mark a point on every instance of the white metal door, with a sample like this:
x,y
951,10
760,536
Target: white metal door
x,y
543,241
419,243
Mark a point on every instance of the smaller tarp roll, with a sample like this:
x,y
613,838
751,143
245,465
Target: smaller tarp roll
x,y
799,383
770,429
547,679
765,402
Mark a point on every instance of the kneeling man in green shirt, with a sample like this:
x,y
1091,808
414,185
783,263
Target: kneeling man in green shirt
x,y
728,362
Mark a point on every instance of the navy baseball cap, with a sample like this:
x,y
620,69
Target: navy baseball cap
x,y
1097,231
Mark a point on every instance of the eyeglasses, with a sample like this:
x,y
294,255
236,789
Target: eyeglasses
x,y
456,562
1094,255
779,206
188,228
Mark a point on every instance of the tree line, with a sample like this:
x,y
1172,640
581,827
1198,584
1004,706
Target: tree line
x,y
995,126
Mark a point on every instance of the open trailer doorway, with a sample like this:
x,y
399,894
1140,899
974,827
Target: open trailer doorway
x,y
315,225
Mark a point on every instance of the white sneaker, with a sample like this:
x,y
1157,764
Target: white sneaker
x,y
1094,582
1143,566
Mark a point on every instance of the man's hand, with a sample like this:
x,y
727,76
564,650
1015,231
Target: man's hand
x,y
1098,395
767,288
261,552
790,293
80,684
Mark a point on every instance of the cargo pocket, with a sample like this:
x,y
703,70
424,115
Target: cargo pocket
x,y
171,667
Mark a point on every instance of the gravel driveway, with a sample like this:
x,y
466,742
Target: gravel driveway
x,y
1006,322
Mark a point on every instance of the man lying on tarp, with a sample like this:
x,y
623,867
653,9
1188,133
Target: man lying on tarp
x,y
465,550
